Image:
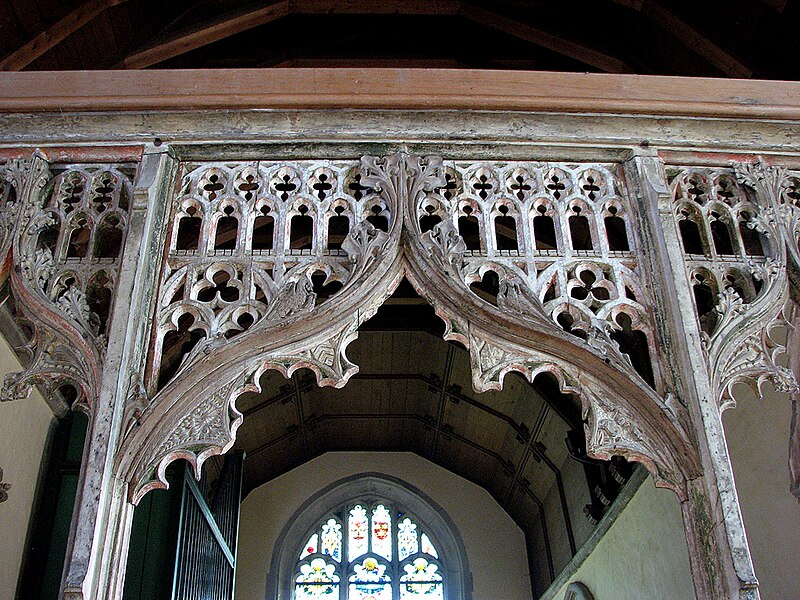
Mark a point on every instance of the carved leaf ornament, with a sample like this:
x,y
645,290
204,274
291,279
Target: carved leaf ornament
x,y
310,249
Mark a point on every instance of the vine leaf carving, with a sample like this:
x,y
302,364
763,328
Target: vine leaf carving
x,y
611,430
207,430
445,246
363,245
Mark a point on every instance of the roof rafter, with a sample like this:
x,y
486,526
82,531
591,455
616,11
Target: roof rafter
x,y
55,34
544,39
690,37
231,24
234,23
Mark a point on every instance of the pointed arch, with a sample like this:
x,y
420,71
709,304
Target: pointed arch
x,y
624,415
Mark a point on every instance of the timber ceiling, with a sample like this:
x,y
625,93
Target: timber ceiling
x,y
717,38
413,393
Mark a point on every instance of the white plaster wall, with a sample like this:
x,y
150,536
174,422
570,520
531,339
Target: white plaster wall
x,y
757,432
644,553
495,545
23,432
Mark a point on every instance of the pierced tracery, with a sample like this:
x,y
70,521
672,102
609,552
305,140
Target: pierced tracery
x,y
736,249
254,243
559,233
73,243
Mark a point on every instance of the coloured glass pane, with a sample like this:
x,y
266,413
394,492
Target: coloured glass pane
x,y
382,532
357,532
421,581
317,579
310,547
407,543
369,581
332,540
427,547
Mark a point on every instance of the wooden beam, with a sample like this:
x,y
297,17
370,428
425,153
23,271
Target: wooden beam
x,y
370,63
205,34
554,43
396,89
231,24
690,37
55,34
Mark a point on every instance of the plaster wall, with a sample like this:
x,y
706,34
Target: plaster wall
x,y
757,432
24,427
495,546
643,554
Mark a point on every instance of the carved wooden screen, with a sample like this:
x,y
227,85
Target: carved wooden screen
x,y
205,564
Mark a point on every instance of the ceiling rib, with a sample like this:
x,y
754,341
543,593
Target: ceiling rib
x,y
232,24
690,37
55,34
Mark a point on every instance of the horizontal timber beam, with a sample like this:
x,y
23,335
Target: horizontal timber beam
x,y
402,89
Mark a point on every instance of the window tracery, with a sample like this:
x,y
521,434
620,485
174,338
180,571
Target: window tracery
x,y
374,548
379,551
369,537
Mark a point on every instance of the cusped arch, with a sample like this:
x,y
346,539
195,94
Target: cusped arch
x,y
378,486
623,415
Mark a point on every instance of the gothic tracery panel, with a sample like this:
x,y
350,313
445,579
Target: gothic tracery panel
x,y
253,243
735,253
69,228
73,241
554,239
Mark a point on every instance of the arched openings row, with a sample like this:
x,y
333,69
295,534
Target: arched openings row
x,y
716,215
87,214
271,208
519,208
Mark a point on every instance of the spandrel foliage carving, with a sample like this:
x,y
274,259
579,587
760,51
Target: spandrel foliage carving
x,y
735,226
69,236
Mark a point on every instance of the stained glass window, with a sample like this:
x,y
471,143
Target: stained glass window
x,y
381,553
